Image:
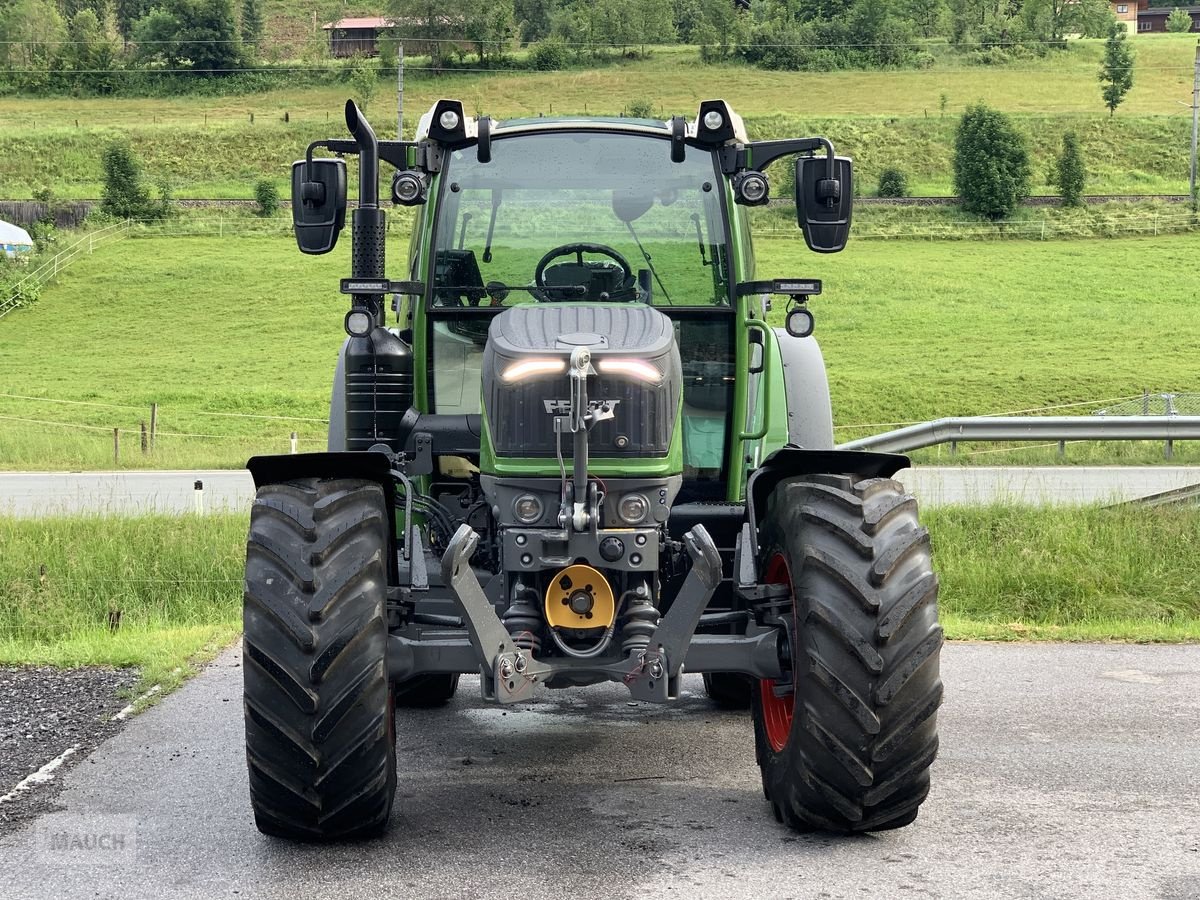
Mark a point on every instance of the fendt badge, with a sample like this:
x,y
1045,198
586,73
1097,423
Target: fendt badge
x,y
562,407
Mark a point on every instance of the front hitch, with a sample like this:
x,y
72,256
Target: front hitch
x,y
511,673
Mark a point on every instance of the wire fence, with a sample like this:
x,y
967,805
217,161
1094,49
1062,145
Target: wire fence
x,y
1148,404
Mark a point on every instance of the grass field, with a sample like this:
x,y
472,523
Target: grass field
x,y
209,148
1006,573
152,592
245,327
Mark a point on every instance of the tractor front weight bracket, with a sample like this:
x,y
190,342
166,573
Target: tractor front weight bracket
x,y
510,674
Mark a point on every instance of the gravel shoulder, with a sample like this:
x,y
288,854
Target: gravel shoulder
x,y
45,711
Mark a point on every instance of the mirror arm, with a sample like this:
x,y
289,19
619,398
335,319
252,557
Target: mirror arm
x,y
763,153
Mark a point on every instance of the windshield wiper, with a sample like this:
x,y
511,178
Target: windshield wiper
x,y
487,250
700,239
646,256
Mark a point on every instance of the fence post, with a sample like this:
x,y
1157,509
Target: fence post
x,y
145,440
1168,449
153,423
954,448
1062,449
293,442
116,446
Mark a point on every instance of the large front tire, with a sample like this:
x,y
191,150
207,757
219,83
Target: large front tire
x,y
320,728
846,742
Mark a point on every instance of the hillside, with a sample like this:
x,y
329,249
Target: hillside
x,y
209,146
910,330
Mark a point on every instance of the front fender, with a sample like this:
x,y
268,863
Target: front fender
x,y
363,466
790,461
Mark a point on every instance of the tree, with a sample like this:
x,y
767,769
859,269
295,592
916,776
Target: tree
x,y
125,195
991,164
90,53
30,34
128,12
893,183
364,79
190,34
534,18
1179,22
1070,172
1116,72
252,22
929,16
489,25
441,24
1053,20
266,195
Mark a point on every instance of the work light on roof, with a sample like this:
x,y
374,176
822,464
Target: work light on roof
x,y
716,123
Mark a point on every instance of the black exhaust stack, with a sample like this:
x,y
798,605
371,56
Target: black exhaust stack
x,y
369,224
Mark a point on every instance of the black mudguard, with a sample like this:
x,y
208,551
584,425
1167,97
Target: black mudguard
x,y
790,461
366,466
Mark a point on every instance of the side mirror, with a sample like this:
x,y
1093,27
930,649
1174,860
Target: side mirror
x,y
822,203
318,203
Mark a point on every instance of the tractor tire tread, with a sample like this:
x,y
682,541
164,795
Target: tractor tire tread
x,y
320,732
867,685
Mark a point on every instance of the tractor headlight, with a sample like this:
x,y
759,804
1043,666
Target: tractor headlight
x,y
713,120
633,508
533,367
359,323
751,188
527,508
409,188
630,368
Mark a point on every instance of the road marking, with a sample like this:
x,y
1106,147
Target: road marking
x,y
132,707
41,776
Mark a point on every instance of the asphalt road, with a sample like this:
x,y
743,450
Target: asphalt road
x,y
48,493
1065,771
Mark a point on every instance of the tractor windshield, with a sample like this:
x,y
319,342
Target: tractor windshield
x,y
580,216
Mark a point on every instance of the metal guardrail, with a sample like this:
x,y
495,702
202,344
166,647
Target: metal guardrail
x,y
1031,428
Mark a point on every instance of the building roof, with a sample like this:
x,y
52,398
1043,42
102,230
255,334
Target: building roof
x,y
365,22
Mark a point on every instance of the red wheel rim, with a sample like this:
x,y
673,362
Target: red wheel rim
x,y
777,711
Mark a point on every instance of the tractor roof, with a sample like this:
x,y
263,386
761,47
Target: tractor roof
x,y
618,124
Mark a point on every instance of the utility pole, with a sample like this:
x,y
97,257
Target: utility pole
x,y
1195,125
400,94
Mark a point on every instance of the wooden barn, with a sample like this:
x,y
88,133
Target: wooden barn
x,y
348,37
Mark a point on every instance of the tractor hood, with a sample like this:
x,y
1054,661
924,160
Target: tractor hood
x,y
636,373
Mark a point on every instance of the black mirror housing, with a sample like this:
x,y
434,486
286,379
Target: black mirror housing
x,y
318,203
823,204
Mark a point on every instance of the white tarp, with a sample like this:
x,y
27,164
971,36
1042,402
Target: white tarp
x,y
14,240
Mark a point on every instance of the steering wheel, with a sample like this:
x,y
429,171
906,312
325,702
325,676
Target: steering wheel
x,y
539,276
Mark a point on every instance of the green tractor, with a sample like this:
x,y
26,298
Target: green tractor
x,y
580,454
